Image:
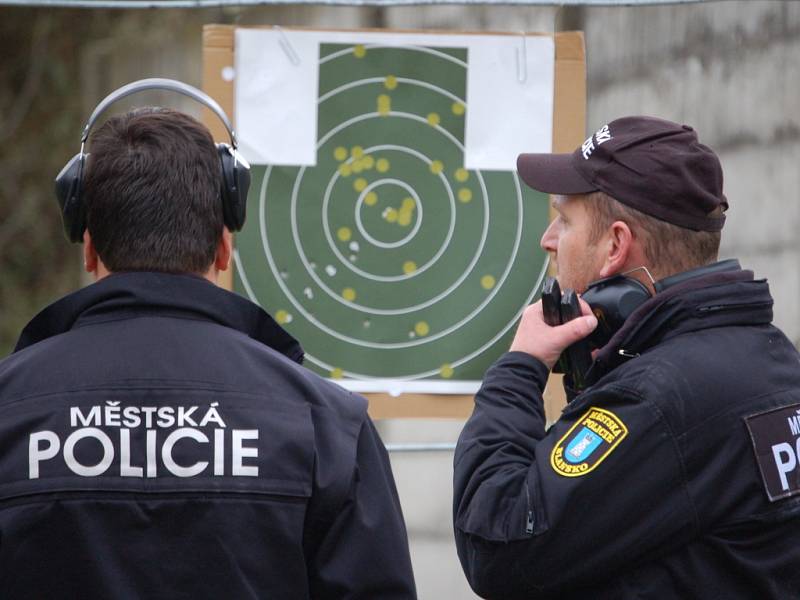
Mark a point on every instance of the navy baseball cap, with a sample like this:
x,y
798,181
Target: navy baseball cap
x,y
655,166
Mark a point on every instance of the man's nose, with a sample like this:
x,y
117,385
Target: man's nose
x,y
549,241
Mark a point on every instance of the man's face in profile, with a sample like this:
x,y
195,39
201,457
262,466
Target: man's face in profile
x,y
568,240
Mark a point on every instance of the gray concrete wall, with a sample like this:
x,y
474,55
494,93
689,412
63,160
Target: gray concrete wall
x,y
731,69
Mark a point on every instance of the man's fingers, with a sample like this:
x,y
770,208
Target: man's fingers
x,y
585,308
577,329
546,343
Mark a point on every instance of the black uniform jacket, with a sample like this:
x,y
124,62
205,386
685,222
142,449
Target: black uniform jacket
x,y
158,439
648,486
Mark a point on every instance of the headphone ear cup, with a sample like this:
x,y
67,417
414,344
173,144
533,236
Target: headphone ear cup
x,y
613,300
69,185
235,185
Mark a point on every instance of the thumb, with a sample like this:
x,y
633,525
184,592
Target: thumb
x,y
577,329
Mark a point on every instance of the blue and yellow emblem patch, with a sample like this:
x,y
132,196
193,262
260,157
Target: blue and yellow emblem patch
x,y
587,443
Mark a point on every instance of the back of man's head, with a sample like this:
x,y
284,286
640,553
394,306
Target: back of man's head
x,y
152,193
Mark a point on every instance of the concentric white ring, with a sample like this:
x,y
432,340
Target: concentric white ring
x,y
370,80
390,311
417,207
412,376
385,345
423,49
422,268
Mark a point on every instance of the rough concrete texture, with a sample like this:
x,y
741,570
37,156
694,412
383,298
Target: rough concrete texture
x,y
473,18
763,185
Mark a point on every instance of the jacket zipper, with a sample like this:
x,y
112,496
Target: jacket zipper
x,y
529,522
719,307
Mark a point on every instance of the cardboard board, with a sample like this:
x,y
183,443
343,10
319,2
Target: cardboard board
x,y
569,116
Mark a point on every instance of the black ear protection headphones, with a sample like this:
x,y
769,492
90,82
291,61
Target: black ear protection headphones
x,y
612,301
614,298
235,169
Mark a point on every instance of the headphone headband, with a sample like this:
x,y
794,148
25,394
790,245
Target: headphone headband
x,y
234,168
159,83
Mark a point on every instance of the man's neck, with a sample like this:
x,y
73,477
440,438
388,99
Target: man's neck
x,y
101,272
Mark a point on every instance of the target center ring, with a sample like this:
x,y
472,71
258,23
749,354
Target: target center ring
x,y
418,209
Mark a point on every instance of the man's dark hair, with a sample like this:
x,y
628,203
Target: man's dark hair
x,y
152,193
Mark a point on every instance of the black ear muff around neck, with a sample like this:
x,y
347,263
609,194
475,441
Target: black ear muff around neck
x,y
613,300
235,185
68,193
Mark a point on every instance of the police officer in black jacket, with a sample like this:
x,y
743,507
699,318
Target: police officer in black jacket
x,y
674,472
158,436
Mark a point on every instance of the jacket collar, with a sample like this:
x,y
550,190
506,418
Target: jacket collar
x,y
141,293
732,297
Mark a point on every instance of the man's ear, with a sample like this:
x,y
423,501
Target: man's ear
x,y
619,250
222,259
91,259
89,253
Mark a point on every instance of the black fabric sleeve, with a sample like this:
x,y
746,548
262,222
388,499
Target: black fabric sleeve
x,y
528,527
364,553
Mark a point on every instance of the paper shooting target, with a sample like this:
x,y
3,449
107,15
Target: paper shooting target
x,y
388,258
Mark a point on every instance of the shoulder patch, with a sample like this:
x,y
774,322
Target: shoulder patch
x,y
775,435
587,443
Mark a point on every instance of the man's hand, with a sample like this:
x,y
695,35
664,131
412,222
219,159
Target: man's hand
x,y
537,338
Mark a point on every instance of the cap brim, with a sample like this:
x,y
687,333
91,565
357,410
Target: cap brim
x,y
552,174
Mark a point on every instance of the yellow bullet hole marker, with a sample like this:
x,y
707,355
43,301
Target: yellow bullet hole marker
x,y
357,152
390,82
345,170
371,199
382,165
422,328
349,294
446,371
384,105
368,162
390,215
344,234
434,119
359,51
458,108
437,167
465,195
406,212
359,184
487,282
409,267
340,153
462,175
358,166
337,373
282,317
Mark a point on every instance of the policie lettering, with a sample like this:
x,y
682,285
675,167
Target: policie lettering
x,y
775,435
150,420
